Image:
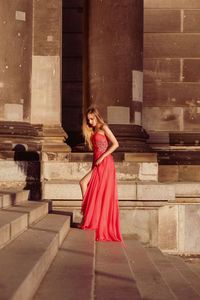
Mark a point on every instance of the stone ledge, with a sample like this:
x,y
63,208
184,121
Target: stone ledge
x,y
138,171
187,189
127,190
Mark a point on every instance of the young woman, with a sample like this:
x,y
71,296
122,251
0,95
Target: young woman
x,y
99,187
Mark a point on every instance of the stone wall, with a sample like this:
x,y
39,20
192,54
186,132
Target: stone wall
x,y
15,65
172,67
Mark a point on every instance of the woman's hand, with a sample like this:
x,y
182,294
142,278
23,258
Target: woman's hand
x,y
99,160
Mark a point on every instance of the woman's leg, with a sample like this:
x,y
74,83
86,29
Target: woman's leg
x,y
84,182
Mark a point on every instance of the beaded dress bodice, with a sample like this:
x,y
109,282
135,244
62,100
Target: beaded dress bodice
x,y
100,144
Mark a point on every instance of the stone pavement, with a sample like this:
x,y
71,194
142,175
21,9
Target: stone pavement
x,y
85,269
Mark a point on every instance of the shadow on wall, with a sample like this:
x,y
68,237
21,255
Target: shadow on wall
x,y
29,163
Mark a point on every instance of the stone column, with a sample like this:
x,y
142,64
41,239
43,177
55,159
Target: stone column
x,y
46,74
19,144
30,114
115,68
15,74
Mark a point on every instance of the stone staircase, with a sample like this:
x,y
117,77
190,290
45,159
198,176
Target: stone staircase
x,y
29,241
41,257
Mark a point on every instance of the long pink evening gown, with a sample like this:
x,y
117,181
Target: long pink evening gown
x,y
100,203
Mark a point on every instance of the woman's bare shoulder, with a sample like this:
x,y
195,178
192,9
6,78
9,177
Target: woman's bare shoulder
x,y
105,127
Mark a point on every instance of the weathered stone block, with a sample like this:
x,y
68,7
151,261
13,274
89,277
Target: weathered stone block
x,y
77,170
142,224
127,191
189,173
191,21
127,170
55,156
171,4
13,171
81,156
65,171
160,70
191,239
71,190
156,20
171,45
168,173
178,230
191,69
45,104
148,171
155,191
168,228
16,60
156,118
192,117
187,189
118,115
13,112
188,200
171,94
42,11
61,190
140,157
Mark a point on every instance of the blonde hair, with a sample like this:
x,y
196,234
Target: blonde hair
x,y
86,129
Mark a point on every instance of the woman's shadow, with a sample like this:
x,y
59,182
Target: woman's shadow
x,y
29,163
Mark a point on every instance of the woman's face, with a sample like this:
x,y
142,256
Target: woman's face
x,y
92,120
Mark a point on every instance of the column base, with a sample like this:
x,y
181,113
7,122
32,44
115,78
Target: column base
x,y
131,138
18,134
52,138
23,150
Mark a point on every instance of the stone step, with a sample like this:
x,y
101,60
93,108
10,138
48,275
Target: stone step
x,y
14,220
71,275
186,272
36,210
149,280
127,190
24,262
138,171
180,287
113,276
8,198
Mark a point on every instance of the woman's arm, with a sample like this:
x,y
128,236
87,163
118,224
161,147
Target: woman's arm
x,y
113,141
